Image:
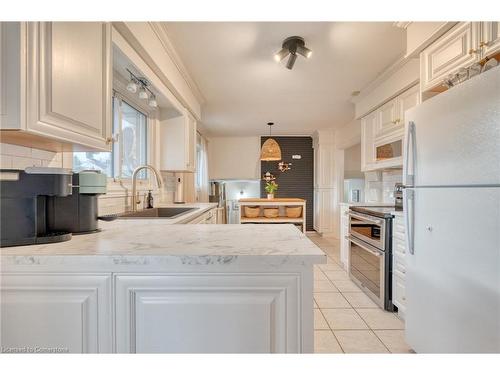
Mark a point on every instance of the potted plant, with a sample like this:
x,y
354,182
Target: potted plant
x,y
271,188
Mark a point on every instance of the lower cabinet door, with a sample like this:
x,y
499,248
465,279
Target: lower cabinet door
x,y
199,313
50,313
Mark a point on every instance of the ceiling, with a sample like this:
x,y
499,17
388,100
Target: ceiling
x,y
244,88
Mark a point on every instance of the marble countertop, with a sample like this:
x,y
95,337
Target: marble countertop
x,y
181,219
150,241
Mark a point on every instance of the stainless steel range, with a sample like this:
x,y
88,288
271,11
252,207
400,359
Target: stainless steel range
x,y
370,266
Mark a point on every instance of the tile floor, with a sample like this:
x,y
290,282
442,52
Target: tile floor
x,y
345,319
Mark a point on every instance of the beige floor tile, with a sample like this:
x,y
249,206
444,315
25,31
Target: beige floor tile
x,y
333,266
330,260
380,319
363,341
330,300
394,340
325,342
359,299
319,320
337,275
319,275
343,319
346,286
324,286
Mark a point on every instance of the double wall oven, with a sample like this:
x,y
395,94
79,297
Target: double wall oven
x,y
370,265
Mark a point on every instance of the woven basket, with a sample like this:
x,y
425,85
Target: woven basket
x,y
293,211
271,212
252,211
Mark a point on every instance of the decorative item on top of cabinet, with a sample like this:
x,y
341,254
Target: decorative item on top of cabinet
x,y
177,141
60,74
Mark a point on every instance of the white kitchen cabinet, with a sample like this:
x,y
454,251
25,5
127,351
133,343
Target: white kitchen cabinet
x,y
209,217
458,48
65,312
463,45
58,84
344,233
399,265
178,142
490,38
382,132
387,118
323,208
203,313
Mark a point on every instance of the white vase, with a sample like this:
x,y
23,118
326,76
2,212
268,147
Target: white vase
x,y
270,196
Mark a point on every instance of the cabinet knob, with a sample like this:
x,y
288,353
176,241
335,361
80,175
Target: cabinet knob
x,y
483,44
472,51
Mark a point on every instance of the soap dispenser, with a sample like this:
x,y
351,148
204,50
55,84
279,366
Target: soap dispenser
x,y
149,200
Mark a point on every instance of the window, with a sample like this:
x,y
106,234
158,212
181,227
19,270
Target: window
x,y
130,150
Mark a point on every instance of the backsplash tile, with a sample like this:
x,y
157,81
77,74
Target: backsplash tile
x,y
379,186
20,157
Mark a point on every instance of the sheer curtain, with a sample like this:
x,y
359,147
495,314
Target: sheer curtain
x,y
202,172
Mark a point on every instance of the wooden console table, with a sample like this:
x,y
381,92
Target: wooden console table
x,y
280,203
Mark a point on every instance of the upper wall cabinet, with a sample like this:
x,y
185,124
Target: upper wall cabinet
x,y
62,73
382,132
490,38
178,142
463,45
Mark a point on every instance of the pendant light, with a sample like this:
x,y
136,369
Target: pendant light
x,y
271,150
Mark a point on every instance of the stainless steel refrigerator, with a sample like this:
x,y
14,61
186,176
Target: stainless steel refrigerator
x,y
452,213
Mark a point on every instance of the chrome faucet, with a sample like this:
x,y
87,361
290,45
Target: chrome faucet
x,y
159,182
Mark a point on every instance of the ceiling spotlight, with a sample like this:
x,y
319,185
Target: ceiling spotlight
x,y
132,86
304,51
291,61
292,46
278,56
152,102
143,94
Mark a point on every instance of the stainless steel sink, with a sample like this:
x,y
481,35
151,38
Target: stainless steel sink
x,y
158,213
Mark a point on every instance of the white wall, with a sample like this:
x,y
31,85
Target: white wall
x,y
352,162
234,158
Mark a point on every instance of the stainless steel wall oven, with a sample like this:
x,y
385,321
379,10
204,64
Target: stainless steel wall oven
x,y
370,265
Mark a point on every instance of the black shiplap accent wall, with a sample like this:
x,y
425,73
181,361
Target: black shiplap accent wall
x,y
297,182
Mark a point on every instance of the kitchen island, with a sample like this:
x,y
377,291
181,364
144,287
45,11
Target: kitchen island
x,y
143,286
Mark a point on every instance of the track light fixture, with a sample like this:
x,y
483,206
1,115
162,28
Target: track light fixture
x,y
291,47
142,84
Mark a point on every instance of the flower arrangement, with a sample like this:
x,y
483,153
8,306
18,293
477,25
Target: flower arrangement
x,y
271,188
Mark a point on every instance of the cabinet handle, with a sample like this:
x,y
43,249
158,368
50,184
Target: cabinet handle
x,y
483,44
113,138
472,51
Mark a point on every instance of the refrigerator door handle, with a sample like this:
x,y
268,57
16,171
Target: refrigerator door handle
x,y
409,178
409,213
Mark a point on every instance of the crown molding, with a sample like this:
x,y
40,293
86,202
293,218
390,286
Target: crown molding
x,y
161,32
402,24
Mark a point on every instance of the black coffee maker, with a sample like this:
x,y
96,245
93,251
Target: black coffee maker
x,y
78,213
23,204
